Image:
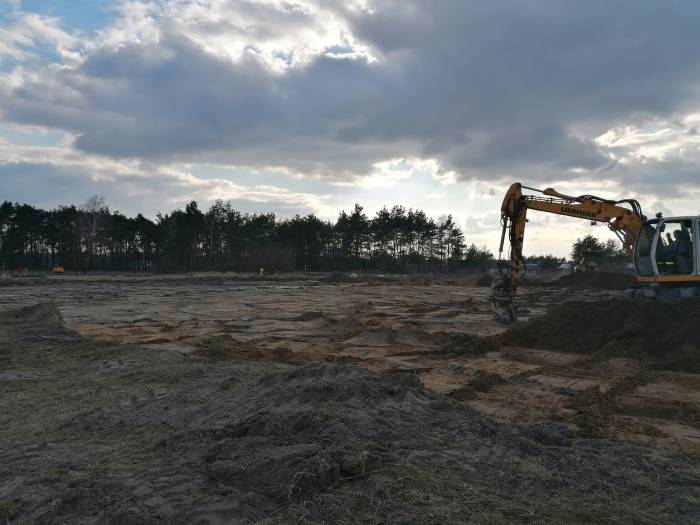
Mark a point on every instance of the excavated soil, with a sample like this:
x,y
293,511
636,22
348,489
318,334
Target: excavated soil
x,y
664,332
219,399
441,331
596,280
96,433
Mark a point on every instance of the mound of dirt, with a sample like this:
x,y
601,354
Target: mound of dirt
x,y
482,382
484,281
476,280
596,280
311,315
294,440
44,314
176,440
335,277
665,331
40,321
465,344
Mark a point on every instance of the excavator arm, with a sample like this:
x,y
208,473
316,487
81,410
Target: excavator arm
x,y
624,217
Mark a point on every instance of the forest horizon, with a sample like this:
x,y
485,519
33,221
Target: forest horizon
x,y
91,237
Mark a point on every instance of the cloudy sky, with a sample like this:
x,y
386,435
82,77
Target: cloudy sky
x,y
299,106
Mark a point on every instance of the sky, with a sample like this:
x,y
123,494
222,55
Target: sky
x,y
309,106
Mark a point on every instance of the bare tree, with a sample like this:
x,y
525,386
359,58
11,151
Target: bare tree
x,y
92,214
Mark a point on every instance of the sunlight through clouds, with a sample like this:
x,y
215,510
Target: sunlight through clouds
x,y
324,103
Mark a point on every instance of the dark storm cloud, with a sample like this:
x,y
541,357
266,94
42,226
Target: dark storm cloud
x,y
490,89
503,84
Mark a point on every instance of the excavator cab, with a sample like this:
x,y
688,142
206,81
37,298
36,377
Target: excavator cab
x,y
667,250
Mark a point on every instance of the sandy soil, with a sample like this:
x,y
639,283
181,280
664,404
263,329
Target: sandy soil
x,y
383,324
181,387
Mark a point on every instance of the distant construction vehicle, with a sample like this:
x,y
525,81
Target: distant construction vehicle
x,y
589,261
664,249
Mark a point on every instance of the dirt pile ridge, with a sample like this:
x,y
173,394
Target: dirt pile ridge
x,y
595,281
296,440
668,332
44,314
42,321
484,281
476,280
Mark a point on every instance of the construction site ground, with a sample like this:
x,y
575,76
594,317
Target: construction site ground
x,y
220,398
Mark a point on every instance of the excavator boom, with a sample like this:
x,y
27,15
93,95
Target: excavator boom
x,y
624,217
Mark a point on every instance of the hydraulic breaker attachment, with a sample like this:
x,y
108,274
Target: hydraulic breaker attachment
x,y
503,294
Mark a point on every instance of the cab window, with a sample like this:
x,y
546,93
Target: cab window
x,y
674,249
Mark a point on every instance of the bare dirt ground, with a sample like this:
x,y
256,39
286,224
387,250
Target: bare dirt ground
x,y
226,398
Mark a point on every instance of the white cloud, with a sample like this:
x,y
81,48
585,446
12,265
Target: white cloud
x,y
134,179
393,172
657,140
197,79
655,157
434,196
19,40
370,94
278,34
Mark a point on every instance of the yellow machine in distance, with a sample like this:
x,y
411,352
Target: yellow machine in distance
x,y
664,249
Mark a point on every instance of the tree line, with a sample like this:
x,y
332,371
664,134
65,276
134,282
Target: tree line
x,y
610,250
91,237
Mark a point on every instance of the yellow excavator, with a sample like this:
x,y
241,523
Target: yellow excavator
x,y
664,249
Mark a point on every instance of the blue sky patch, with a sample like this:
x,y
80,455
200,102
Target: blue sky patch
x,y
74,14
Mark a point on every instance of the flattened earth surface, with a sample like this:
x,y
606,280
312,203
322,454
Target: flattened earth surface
x,y
400,325
223,399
